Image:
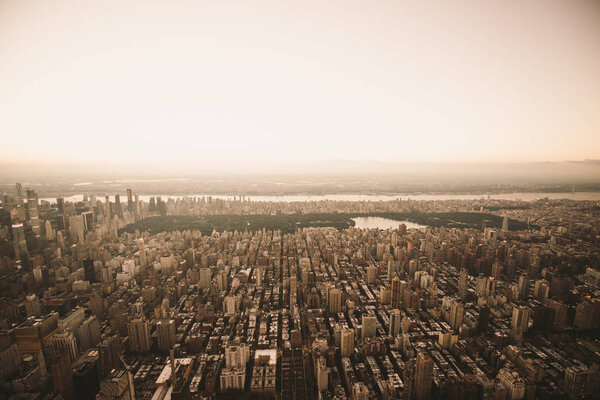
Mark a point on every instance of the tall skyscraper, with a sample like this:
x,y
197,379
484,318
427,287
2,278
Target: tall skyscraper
x,y
32,212
237,356
462,283
395,322
139,335
62,375
396,293
142,252
108,356
76,228
65,340
165,334
369,327
505,224
520,319
347,342
89,270
423,376
457,314
130,201
523,286
371,274
117,385
107,209
19,241
334,300
205,277
118,206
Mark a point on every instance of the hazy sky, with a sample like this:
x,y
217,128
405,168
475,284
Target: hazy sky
x,y
230,82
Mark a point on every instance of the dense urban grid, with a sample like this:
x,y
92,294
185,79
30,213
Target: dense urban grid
x,y
110,299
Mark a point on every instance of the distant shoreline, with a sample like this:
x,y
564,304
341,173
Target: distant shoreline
x,y
418,196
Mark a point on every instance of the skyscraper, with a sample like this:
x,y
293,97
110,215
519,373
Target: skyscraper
x,y
334,300
130,201
457,314
396,292
369,326
118,206
62,375
520,319
205,277
395,321
32,212
423,376
523,286
371,274
505,224
347,342
462,283
139,335
165,334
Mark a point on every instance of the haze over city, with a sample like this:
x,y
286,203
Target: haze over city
x,y
316,200
239,87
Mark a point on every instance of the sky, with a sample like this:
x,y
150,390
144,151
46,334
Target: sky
x,y
236,84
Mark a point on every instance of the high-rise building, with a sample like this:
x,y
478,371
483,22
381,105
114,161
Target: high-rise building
x,y
76,228
107,209
513,382
396,293
65,340
259,276
32,305
89,270
346,342
583,315
205,277
462,283
334,300
108,356
369,327
97,305
139,335
10,357
520,319
523,286
19,241
505,224
447,339
137,208
237,356
423,376
395,322
142,252
130,201
165,334
88,220
115,386
371,274
560,315
50,235
457,314
118,206
32,212
62,375
88,333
